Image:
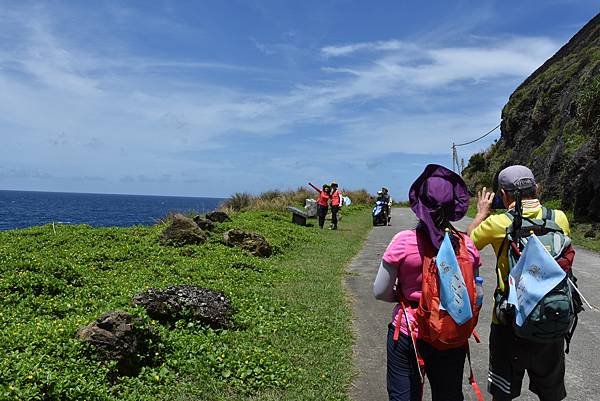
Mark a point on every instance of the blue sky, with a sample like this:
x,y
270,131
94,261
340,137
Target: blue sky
x,y
207,98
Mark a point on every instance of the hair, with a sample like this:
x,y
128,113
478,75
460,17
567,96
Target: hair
x,y
441,221
526,193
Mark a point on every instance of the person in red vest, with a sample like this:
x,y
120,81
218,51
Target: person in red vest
x,y
322,202
336,203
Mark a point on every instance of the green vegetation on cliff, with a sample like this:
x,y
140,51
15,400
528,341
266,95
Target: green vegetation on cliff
x,y
292,327
551,123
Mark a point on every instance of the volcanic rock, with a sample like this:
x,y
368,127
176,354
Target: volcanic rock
x,y
217,216
254,243
204,224
182,231
187,302
120,337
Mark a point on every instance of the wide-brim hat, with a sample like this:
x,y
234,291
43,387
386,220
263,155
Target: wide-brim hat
x,y
436,191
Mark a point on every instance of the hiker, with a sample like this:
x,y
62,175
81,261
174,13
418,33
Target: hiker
x,y
336,203
437,197
511,355
322,202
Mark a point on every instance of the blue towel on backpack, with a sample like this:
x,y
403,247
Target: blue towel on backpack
x,y
454,296
535,274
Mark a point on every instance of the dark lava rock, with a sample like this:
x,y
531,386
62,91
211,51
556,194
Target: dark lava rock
x,y
256,244
204,224
120,337
217,217
187,302
182,231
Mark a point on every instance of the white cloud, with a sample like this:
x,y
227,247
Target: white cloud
x,y
429,68
345,50
74,110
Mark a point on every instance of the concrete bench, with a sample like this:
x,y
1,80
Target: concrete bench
x,y
298,216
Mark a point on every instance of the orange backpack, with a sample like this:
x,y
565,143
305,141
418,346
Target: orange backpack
x,y
435,325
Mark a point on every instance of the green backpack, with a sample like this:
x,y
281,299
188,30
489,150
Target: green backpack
x,y
555,315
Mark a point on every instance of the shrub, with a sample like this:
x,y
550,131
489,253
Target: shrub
x,y
238,201
360,196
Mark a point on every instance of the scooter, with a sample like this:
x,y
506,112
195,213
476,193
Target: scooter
x,y
380,214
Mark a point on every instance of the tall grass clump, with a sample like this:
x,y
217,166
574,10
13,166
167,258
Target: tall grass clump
x,y
238,201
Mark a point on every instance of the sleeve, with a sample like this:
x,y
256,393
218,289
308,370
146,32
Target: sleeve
x,y
384,285
474,253
563,222
485,233
396,250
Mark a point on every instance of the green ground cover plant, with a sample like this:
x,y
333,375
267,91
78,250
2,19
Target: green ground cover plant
x,y
292,327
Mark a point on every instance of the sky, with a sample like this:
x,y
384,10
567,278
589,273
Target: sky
x,y
209,98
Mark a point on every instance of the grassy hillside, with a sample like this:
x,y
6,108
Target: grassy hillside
x,y
291,341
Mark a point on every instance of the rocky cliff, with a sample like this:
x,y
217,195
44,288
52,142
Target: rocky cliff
x,y
551,123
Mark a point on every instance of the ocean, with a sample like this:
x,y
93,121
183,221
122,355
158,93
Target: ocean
x,y
20,209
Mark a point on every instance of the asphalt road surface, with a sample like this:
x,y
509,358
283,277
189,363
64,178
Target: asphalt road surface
x,y
371,318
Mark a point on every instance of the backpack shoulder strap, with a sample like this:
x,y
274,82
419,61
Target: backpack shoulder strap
x,y
548,214
510,215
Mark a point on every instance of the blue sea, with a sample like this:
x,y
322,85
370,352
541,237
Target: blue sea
x,y
20,209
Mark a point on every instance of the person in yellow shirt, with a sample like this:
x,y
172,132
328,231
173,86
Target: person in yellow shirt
x,y
511,356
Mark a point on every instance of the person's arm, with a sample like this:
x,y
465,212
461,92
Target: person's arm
x,y
384,285
316,188
484,209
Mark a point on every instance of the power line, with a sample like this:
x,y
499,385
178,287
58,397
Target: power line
x,y
460,165
481,137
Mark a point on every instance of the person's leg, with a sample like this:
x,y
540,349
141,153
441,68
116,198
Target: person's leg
x,y
321,213
546,369
334,219
444,371
403,383
505,374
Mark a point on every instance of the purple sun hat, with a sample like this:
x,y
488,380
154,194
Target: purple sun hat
x,y
437,192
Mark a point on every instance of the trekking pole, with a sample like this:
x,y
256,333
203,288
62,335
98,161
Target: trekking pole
x,y
573,286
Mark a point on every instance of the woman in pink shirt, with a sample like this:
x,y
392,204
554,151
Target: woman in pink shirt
x,y
437,197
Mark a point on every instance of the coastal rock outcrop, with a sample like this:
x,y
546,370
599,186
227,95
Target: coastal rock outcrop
x,y
254,243
551,123
122,338
208,307
182,231
217,216
204,224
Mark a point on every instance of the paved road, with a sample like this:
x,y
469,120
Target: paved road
x,y
372,317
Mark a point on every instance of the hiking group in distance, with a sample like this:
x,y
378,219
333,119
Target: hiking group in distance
x,y
329,195
432,274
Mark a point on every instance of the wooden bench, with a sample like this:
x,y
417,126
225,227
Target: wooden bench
x,y
298,216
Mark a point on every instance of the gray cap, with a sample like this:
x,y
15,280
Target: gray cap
x,y
516,177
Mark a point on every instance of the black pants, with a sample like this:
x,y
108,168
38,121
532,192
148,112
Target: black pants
x,y
321,213
334,218
444,370
511,356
